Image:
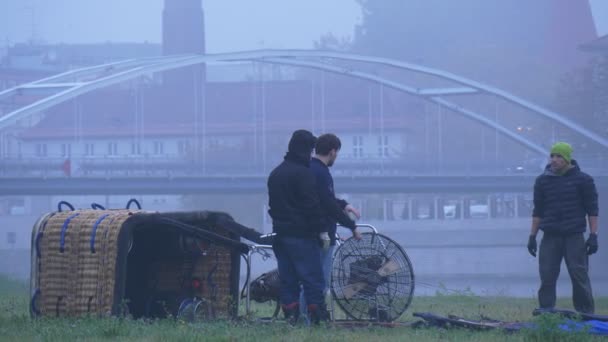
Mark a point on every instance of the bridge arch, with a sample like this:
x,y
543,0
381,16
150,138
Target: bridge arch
x,y
77,82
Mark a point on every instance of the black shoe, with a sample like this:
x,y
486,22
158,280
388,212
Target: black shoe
x,y
318,314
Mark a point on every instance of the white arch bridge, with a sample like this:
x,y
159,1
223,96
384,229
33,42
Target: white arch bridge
x,y
56,89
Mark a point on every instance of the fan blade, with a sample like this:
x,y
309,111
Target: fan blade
x,y
351,290
390,267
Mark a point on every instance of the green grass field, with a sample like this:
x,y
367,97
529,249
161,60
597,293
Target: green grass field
x,y
16,325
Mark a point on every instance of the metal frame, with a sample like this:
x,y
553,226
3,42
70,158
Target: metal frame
x,y
252,250
416,92
332,304
109,74
263,249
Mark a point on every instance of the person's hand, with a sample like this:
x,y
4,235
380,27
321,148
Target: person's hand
x,y
350,209
356,234
325,241
591,244
532,247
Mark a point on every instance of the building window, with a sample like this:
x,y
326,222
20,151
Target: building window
x,y
66,150
383,146
135,148
358,146
158,147
213,144
41,150
183,147
112,149
89,149
11,238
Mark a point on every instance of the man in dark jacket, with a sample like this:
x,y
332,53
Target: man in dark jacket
x,y
333,210
564,199
296,219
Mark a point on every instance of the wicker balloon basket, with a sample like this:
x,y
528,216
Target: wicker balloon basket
x,y
132,262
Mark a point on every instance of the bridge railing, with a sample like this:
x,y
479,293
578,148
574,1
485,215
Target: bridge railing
x,y
180,167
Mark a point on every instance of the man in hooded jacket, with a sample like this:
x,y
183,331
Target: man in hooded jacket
x,y
296,220
564,199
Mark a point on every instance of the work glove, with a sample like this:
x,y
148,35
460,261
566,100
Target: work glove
x,y
591,244
325,241
532,247
356,234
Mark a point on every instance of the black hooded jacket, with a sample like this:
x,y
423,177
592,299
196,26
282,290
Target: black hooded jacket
x,y
292,193
562,202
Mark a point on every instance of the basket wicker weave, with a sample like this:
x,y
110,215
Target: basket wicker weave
x,y
113,262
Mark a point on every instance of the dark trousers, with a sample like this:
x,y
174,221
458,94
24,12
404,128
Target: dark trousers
x,y
299,262
554,248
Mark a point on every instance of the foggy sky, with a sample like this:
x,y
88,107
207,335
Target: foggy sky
x,y
231,24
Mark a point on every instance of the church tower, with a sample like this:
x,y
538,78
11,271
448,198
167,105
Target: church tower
x,y
184,33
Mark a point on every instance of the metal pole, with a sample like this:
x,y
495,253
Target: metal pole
x,y
204,119
197,141
496,129
323,102
263,120
382,141
142,111
312,105
135,124
483,144
255,118
439,138
427,137
369,111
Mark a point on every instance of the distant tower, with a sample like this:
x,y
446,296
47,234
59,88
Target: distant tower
x,y
184,33
571,24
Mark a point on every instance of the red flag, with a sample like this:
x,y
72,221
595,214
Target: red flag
x,y
67,168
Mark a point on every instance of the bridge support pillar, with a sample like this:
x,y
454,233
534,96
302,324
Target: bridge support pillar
x,y
414,209
466,204
436,203
385,208
410,212
461,207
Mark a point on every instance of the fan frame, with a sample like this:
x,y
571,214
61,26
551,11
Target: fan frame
x,y
336,263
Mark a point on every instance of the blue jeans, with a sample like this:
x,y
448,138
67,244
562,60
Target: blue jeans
x,y
299,263
327,258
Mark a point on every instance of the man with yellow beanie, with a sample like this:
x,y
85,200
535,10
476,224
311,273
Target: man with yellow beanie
x,y
565,200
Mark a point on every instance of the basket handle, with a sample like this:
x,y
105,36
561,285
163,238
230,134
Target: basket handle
x,y
97,206
95,230
61,203
133,200
64,230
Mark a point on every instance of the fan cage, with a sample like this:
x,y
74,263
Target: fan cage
x,y
383,298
